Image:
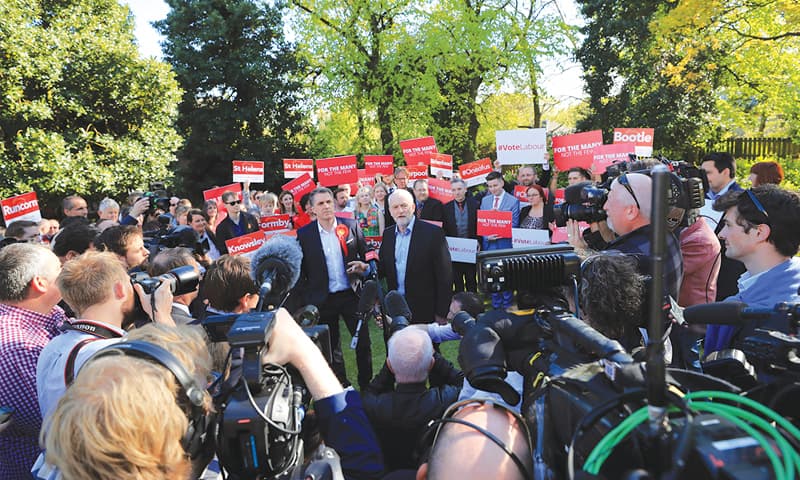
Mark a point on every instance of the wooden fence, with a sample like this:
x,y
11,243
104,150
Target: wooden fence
x,y
752,148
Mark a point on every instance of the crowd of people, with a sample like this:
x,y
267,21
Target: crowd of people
x,y
94,396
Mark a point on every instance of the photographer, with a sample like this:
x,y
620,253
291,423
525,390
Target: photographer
x,y
400,414
760,229
628,215
99,290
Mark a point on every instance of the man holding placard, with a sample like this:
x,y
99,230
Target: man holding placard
x,y
236,224
461,221
499,200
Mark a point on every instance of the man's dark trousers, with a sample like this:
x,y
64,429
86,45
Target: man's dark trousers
x,y
345,304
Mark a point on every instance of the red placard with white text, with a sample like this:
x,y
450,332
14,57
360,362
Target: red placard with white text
x,y
495,222
246,244
21,207
295,167
642,138
383,164
364,178
521,193
559,196
575,150
474,173
300,186
417,151
560,233
416,172
440,190
275,223
337,170
373,243
245,171
605,155
441,164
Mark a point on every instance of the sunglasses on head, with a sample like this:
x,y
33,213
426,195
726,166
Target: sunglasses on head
x,y
623,180
758,204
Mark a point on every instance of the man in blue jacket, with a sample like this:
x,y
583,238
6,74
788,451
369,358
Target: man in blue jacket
x,y
760,230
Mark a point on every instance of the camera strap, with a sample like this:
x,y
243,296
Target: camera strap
x,y
98,332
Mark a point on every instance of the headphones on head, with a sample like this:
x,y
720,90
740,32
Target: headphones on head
x,y
199,432
428,440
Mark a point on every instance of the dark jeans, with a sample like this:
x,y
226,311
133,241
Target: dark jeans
x,y
345,304
464,277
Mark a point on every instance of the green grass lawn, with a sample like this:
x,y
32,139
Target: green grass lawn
x,y
448,349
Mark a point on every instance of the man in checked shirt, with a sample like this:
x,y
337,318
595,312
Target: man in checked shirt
x,y
29,318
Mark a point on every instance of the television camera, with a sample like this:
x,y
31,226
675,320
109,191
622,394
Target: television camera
x,y
593,411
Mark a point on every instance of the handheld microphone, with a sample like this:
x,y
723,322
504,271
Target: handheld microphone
x,y
276,267
369,293
371,257
725,313
397,309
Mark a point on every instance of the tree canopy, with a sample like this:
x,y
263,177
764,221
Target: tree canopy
x,y
80,112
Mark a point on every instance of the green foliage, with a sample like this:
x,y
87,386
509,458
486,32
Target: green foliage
x,y
80,112
241,88
623,67
791,171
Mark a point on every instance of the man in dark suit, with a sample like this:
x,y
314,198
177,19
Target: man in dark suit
x,y
720,168
401,182
461,220
333,264
415,260
427,208
236,224
498,199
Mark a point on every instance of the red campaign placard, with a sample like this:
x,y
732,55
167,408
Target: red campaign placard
x,y
521,192
275,223
300,186
417,151
350,215
383,164
559,196
605,155
373,243
642,138
337,171
417,172
295,167
245,171
575,150
364,178
441,164
495,222
560,233
440,190
21,207
246,244
474,173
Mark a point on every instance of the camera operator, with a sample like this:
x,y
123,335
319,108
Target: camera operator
x,y
100,292
628,210
170,259
131,442
399,414
760,229
127,243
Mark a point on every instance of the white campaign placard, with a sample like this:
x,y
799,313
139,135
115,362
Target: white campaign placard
x,y
517,147
528,237
462,250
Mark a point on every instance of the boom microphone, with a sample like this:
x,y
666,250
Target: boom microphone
x,y
276,266
725,313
